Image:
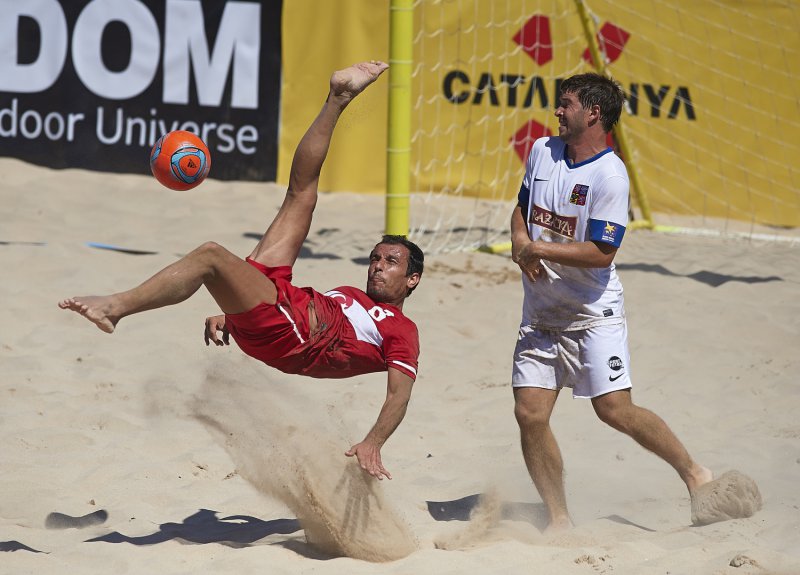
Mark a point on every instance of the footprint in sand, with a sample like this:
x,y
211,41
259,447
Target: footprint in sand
x,y
62,521
732,496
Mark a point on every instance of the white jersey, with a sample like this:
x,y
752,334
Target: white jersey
x,y
565,202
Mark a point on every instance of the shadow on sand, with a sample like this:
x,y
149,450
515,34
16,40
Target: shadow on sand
x,y
712,279
205,527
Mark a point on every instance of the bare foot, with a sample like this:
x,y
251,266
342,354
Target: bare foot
x,y
97,309
733,496
348,83
698,476
558,525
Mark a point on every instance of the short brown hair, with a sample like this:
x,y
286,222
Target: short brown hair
x,y
596,90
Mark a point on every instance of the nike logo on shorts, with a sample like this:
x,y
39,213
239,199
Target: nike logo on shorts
x,y
615,377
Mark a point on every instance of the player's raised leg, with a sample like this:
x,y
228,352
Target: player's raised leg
x,y
651,432
281,243
235,285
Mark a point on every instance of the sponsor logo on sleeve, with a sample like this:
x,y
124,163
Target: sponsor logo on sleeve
x,y
610,233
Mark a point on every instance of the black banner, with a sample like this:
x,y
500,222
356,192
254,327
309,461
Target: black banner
x,y
93,83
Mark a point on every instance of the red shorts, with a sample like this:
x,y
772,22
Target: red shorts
x,y
278,334
272,331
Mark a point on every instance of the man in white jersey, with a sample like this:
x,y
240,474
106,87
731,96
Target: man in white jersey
x,y
569,222
341,333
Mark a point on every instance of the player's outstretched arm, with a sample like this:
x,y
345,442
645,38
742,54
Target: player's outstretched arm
x,y
368,452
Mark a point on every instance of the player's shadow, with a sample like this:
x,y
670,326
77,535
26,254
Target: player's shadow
x,y
11,546
461,509
205,527
709,278
622,521
533,513
359,496
305,252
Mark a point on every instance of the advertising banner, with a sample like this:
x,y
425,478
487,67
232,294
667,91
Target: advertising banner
x,y
712,94
93,83
320,37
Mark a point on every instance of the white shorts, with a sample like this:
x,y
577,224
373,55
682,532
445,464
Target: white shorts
x,y
592,361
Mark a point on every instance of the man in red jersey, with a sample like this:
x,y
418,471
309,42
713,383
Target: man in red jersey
x,y
341,333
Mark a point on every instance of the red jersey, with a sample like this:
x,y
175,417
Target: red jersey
x,y
354,335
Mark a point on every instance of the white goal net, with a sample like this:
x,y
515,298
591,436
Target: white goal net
x,y
713,116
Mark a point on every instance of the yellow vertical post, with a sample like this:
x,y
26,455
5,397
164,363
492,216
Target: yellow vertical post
x,y
398,160
619,129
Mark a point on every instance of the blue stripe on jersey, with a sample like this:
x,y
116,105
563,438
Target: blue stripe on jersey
x,y
587,161
523,197
606,232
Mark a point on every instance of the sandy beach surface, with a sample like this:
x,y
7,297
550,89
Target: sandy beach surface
x,y
144,451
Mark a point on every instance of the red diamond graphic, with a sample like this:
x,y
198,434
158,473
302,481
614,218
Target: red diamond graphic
x,y
525,136
534,37
611,40
535,40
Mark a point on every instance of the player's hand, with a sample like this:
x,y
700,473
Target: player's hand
x,y
213,325
369,458
527,261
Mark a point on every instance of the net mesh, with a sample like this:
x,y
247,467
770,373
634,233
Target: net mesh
x,y
713,114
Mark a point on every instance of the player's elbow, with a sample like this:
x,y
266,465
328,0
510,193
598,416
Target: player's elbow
x,y
399,398
604,256
605,260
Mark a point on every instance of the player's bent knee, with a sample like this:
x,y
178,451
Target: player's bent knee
x,y
612,416
615,409
213,251
608,418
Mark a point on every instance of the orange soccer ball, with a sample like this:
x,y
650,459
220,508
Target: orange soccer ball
x,y
180,160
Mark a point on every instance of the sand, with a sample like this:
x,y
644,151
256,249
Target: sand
x,y
146,451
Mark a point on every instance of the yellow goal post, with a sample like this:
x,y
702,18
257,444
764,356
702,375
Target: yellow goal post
x,y
398,155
